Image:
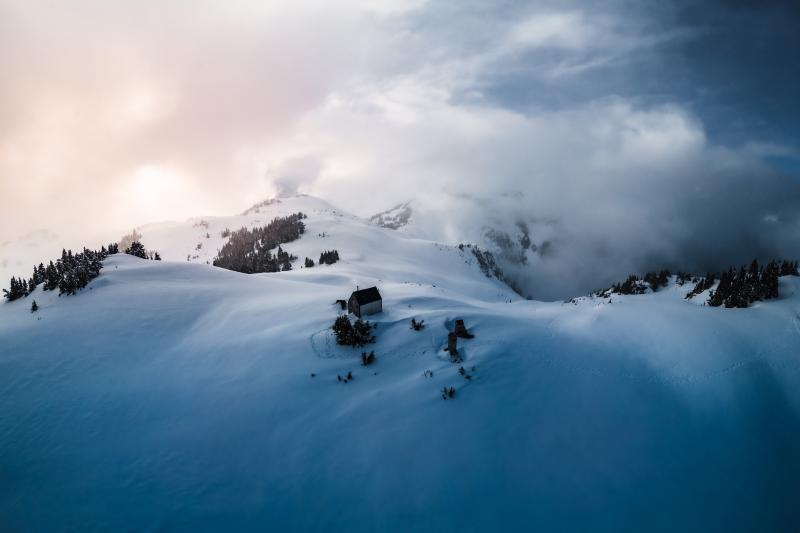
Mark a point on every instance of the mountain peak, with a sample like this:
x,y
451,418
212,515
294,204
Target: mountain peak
x,y
395,217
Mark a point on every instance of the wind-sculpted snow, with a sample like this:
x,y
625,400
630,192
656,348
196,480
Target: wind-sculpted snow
x,y
177,396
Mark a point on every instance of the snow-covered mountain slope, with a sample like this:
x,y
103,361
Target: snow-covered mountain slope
x,y
522,242
178,396
394,218
369,255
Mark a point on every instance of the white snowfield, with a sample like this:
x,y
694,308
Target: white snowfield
x,y
177,396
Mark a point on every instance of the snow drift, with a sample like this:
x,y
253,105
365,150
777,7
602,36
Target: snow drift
x,y
174,395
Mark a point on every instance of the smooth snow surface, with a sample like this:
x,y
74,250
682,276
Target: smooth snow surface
x,y
178,396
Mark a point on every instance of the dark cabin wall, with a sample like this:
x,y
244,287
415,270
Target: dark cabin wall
x,y
352,307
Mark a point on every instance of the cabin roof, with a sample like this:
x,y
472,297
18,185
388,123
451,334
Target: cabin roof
x,y
365,296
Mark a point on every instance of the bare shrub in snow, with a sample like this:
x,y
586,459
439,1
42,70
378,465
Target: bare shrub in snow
x,y
367,358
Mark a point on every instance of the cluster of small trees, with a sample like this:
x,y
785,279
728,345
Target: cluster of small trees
x,y
283,260
737,287
657,280
249,250
747,285
68,274
17,289
129,239
789,268
702,285
328,257
136,249
358,333
634,285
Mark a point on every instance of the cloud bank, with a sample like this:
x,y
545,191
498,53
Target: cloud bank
x,y
571,118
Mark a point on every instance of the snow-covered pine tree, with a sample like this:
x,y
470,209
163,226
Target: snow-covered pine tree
x,y
51,277
15,290
136,249
248,250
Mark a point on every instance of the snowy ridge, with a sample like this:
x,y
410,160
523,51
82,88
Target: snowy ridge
x,y
176,396
368,254
394,218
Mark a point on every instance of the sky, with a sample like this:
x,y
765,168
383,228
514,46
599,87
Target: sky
x,y
643,133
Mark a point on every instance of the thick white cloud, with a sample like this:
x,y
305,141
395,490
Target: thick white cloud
x,y
613,187
93,91
116,114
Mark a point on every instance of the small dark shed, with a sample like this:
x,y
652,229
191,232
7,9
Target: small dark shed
x,y
365,302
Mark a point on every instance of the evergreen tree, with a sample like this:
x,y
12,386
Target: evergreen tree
x,y
362,333
328,257
632,285
702,285
38,274
343,330
16,289
68,284
34,307
250,250
51,277
723,290
136,249
355,334
69,273
769,281
737,288
129,239
788,268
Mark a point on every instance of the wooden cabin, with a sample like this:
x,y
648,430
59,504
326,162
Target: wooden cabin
x,y
365,302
